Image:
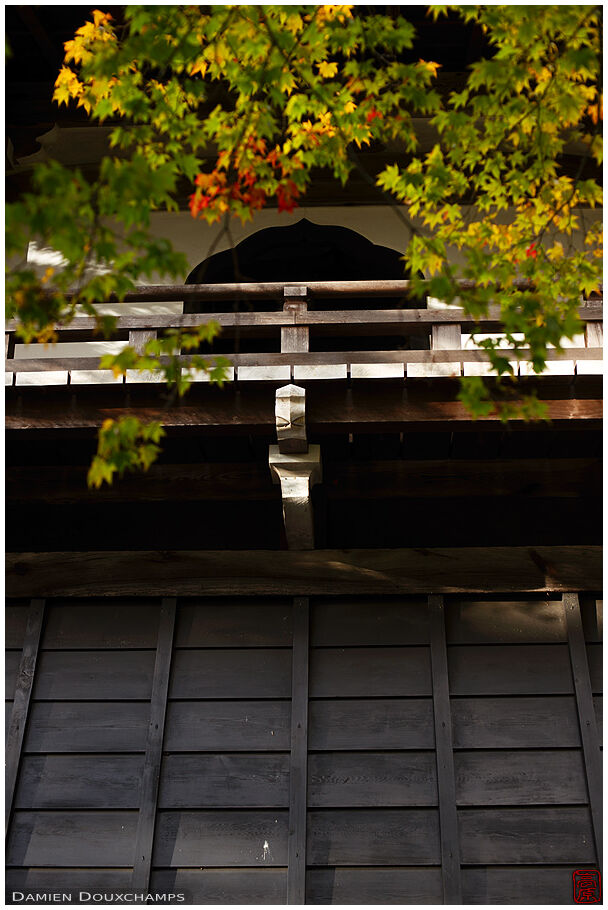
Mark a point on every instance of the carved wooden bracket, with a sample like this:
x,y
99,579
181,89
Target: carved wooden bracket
x,y
290,415
297,474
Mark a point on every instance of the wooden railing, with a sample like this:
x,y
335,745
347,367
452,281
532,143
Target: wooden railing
x,y
444,328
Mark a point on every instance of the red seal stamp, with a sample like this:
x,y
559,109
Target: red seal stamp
x,y
587,886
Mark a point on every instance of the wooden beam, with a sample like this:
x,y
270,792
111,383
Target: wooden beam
x,y
292,573
298,764
586,716
560,478
21,703
446,782
146,822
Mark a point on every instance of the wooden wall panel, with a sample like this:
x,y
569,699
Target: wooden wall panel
x,y
226,781
545,835
509,670
243,673
472,621
11,666
510,723
117,623
372,779
380,723
520,778
548,885
234,622
216,726
416,885
94,675
594,658
15,621
380,621
358,837
63,839
216,838
223,886
74,726
361,672
65,881
79,782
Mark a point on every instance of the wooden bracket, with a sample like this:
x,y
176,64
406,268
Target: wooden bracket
x,y
295,339
297,474
290,415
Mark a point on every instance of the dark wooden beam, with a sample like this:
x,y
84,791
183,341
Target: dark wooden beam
x,y
561,478
303,573
298,764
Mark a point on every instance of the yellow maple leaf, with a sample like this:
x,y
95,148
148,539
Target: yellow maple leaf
x,y
327,70
349,107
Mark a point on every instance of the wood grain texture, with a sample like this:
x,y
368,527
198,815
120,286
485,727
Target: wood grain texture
x,y
509,670
94,675
546,835
417,885
520,778
21,702
548,885
224,781
298,758
120,623
56,726
231,673
470,621
386,621
515,723
212,838
80,782
358,572
358,837
371,724
372,780
215,726
360,672
64,839
243,622
223,886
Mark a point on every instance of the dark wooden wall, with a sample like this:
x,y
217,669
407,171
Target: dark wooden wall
x,y
384,806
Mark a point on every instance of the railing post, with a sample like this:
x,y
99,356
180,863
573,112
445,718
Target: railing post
x,y
446,337
295,339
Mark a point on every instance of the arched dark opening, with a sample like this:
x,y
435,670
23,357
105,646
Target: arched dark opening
x,y
306,252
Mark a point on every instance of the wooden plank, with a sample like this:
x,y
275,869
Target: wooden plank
x,y
563,478
586,716
80,782
236,726
371,886
298,774
224,781
363,837
528,620
121,623
229,673
375,779
550,885
360,672
509,670
216,838
15,623
306,358
446,788
386,621
295,338
70,882
146,822
379,723
11,668
595,664
233,623
222,886
515,723
21,703
545,835
249,572
64,839
87,726
94,675
520,778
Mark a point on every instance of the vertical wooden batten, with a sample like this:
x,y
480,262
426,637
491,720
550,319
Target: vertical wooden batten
x,y
21,704
446,784
586,715
298,766
295,339
144,840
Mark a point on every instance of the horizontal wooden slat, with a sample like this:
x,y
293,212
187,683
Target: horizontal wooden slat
x,y
121,623
226,781
373,836
246,673
11,666
544,835
94,675
338,779
371,724
225,623
87,726
547,885
511,723
520,778
594,658
79,782
371,886
232,726
212,838
359,672
390,621
307,358
63,839
65,881
509,670
15,621
222,886
359,572
471,621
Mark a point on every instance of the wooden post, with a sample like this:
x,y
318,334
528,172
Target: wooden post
x,y
298,766
294,339
290,417
139,339
586,715
144,839
446,784
21,704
